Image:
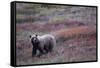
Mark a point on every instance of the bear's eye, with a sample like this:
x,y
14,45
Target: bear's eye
x,y
34,39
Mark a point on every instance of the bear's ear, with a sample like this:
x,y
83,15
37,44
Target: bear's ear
x,y
30,36
36,35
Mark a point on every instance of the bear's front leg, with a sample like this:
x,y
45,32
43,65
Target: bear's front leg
x,y
34,52
41,50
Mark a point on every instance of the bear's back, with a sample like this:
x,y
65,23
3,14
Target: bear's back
x,y
46,37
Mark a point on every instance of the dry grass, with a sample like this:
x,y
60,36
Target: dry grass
x,y
75,32
74,44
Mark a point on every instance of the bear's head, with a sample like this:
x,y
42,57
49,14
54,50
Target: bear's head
x,y
34,39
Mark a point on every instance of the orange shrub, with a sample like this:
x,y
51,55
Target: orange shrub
x,y
75,31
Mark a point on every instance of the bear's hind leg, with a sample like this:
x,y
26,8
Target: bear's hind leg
x,y
46,49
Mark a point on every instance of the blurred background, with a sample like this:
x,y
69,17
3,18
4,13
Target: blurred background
x,y
73,26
